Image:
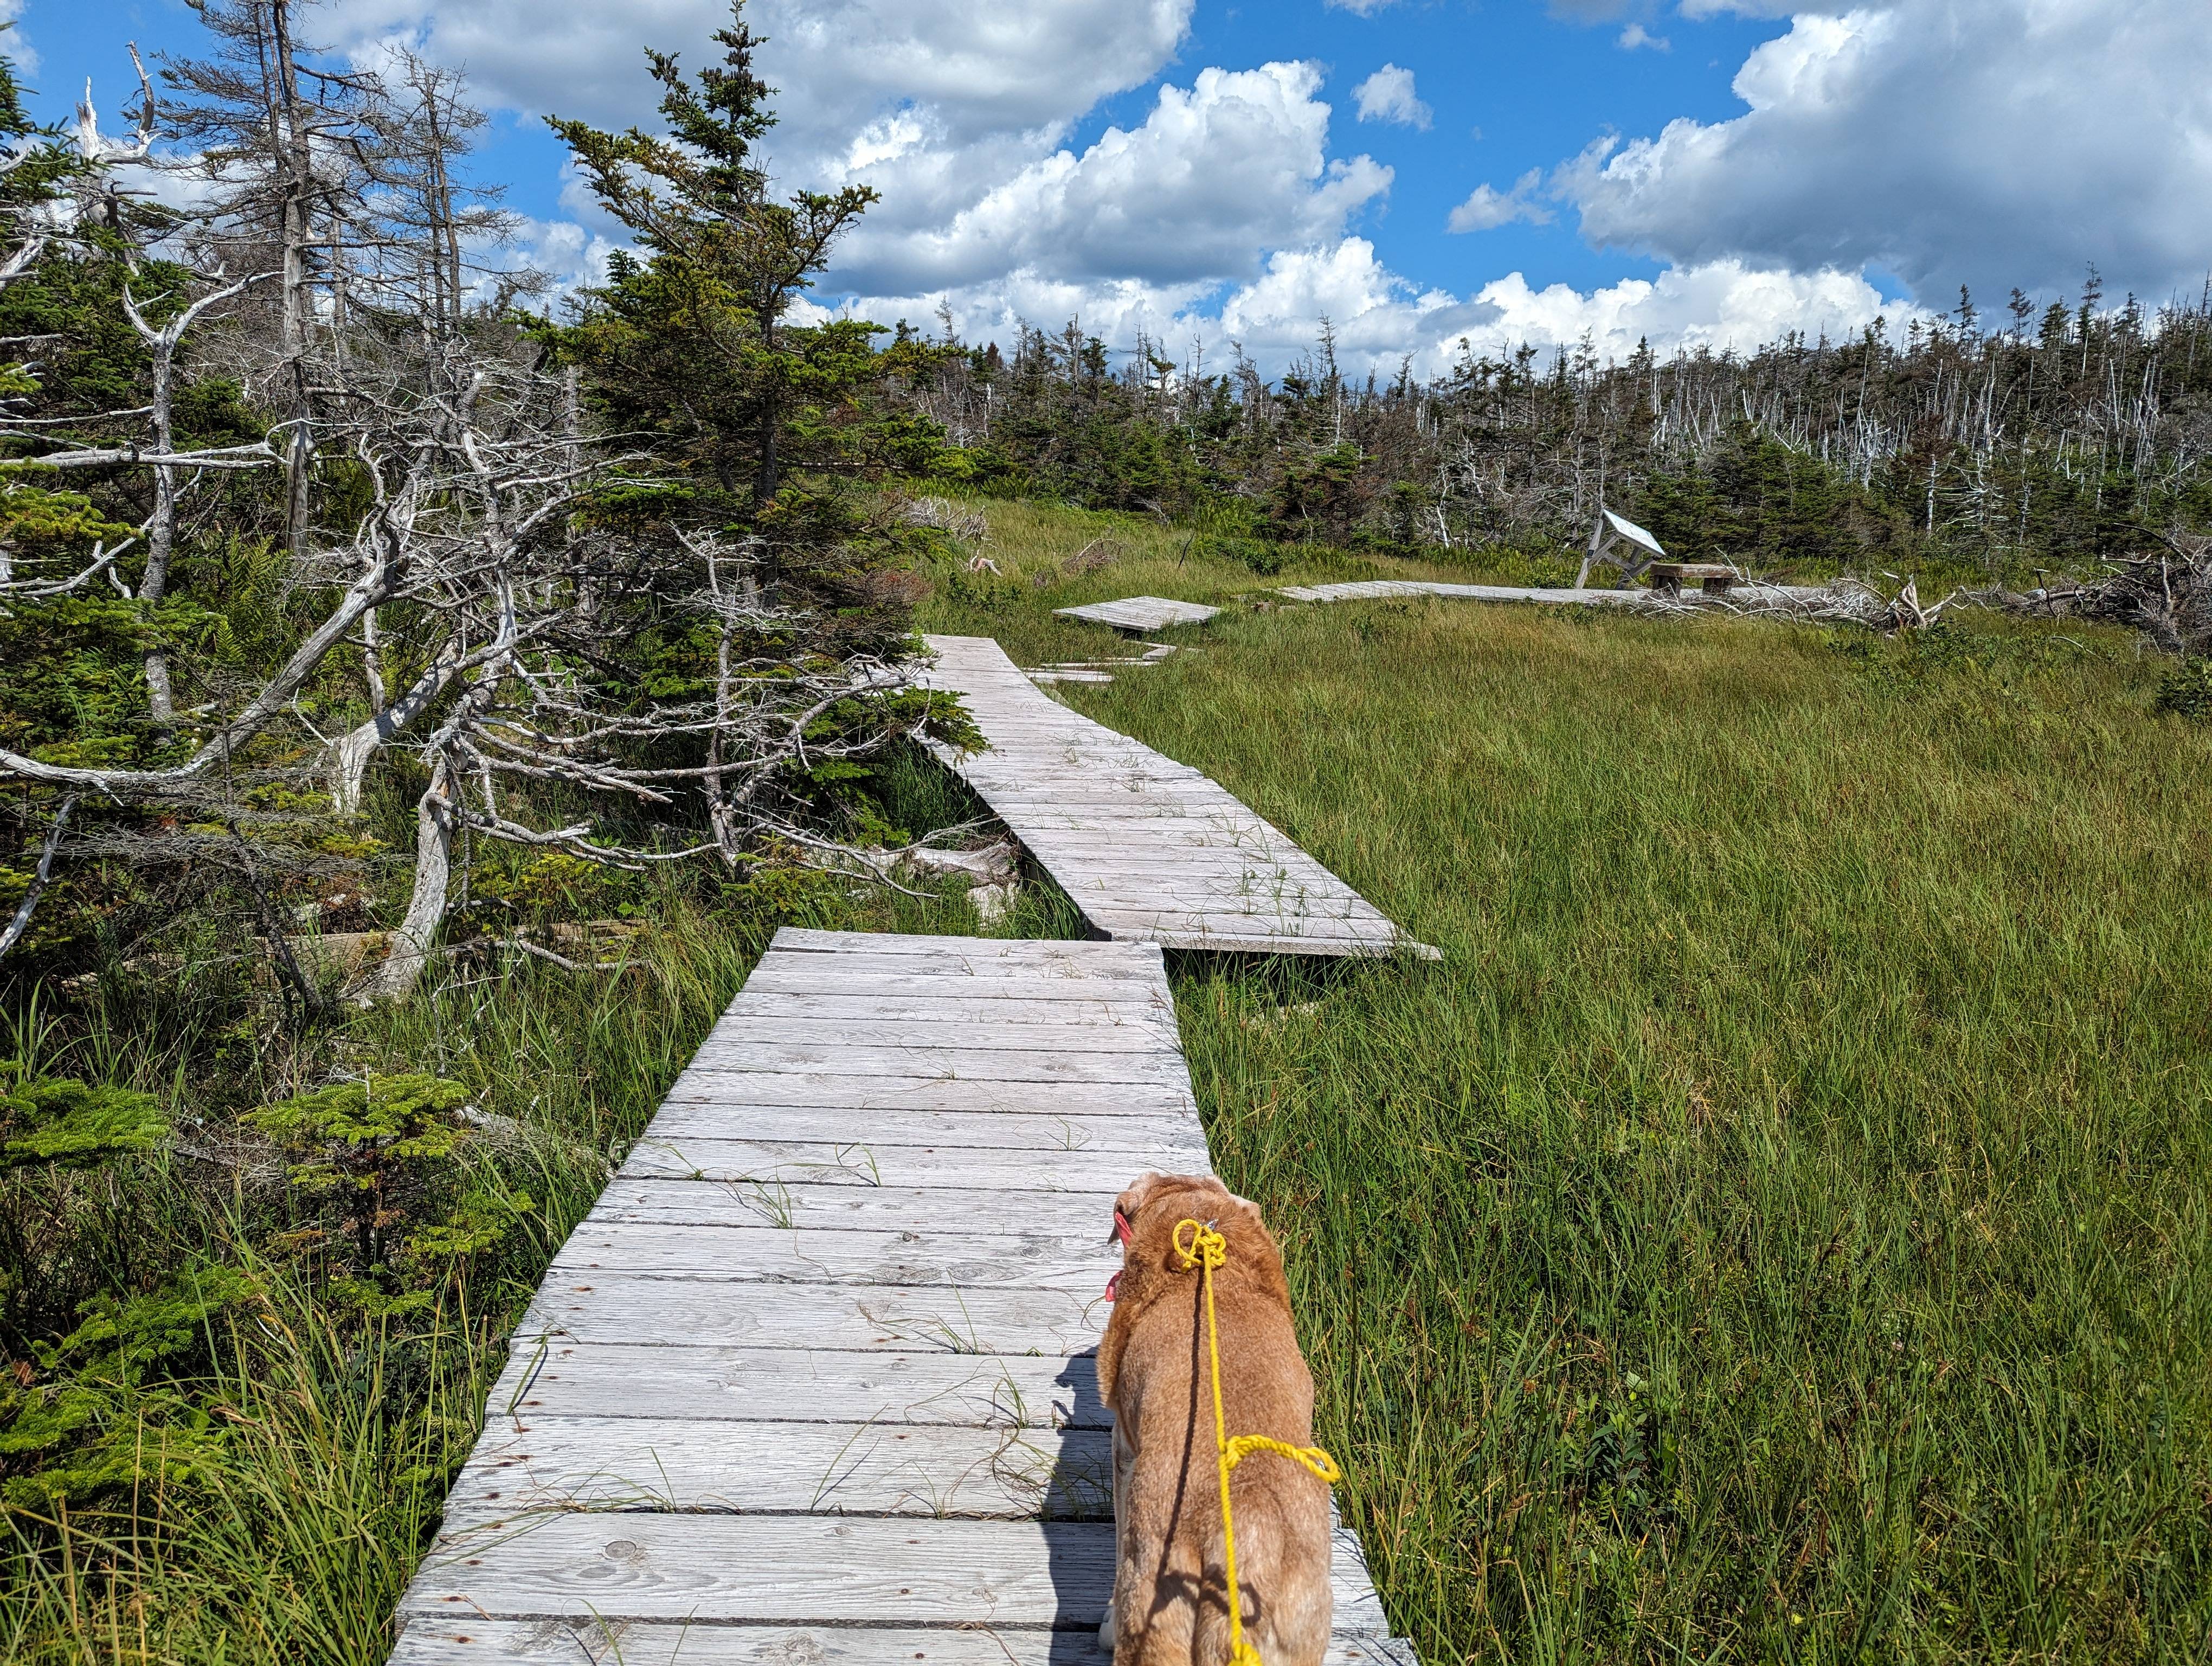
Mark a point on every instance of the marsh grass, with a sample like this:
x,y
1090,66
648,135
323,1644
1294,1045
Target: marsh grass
x,y
1779,1229
340,1434
1039,550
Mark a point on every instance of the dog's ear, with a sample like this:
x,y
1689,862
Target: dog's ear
x,y
1127,1207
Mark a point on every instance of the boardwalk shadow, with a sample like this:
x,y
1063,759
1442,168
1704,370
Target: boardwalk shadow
x,y
1079,1556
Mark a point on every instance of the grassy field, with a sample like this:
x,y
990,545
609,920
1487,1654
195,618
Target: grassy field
x,y
1781,1228
1778,1230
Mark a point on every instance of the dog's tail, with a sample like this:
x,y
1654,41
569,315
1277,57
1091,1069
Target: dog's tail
x,y
1282,1574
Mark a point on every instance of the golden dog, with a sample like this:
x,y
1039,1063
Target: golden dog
x,y
1169,1606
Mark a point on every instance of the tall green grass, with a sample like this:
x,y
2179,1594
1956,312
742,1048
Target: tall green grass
x,y
1781,1227
1778,1230
339,1432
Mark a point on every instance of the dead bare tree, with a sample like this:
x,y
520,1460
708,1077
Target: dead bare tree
x,y
282,174
466,580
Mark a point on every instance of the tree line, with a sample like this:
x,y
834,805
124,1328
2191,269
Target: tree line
x,y
2062,436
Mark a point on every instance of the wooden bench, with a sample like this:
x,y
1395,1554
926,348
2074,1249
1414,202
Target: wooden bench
x,y
1714,579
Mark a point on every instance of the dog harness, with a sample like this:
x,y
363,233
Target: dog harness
x,y
1207,1251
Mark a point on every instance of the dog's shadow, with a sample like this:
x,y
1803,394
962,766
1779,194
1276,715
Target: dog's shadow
x,y
1079,1553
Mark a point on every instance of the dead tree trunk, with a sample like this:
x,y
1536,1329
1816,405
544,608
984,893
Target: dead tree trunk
x,y
434,817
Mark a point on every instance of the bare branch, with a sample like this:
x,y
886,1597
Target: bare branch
x,y
24,909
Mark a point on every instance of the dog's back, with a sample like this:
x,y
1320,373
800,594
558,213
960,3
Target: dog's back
x,y
1154,1372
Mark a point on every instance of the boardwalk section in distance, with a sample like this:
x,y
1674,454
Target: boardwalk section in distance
x,y
812,1384
1748,596
1141,613
1366,590
1150,849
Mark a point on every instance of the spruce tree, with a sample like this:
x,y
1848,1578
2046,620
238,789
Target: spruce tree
x,y
699,327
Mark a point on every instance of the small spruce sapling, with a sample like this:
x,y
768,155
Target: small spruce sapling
x,y
72,1125
387,1152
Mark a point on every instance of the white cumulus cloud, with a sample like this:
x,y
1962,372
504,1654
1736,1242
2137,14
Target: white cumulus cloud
x,y
837,64
1722,304
1217,173
1389,95
1379,319
1220,212
1981,142
1487,207
14,44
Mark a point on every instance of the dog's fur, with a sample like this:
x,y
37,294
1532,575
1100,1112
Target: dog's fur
x,y
1170,1608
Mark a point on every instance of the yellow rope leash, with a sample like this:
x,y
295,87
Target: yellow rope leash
x,y
1207,1251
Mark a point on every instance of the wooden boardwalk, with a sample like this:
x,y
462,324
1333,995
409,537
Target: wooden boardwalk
x,y
1141,613
1150,849
1377,589
812,1383
1741,597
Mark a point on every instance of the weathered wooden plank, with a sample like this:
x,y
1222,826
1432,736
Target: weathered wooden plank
x,y
1140,612
1040,1130
961,1006
1066,727
677,1200
862,1092
548,1463
1160,837
1059,749
1237,893
1231,941
948,1060
1171,822
1028,788
1201,875
801,1569
444,1640
616,1308
1075,959
1078,734
857,1163
1373,590
1112,977
1174,918
569,1378
1119,994
741,1025
972,1255
1163,839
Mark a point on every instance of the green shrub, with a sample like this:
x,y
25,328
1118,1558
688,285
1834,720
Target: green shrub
x,y
1258,555
2186,689
67,1122
383,1155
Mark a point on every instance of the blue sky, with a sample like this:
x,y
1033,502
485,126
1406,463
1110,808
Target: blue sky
x,y
1691,172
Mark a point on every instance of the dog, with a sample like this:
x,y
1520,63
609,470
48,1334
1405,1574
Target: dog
x,y
1169,1606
